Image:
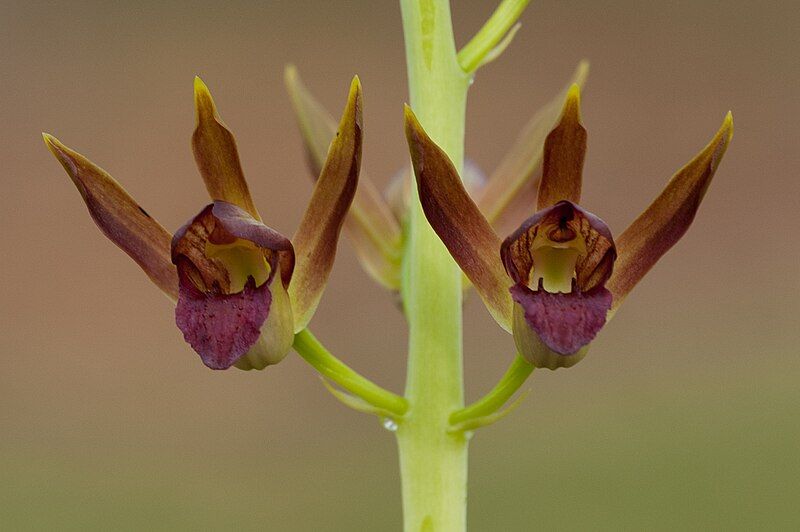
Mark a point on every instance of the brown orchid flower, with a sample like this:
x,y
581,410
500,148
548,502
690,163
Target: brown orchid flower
x,y
242,289
557,279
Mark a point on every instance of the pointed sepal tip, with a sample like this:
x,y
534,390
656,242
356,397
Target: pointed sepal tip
x,y
204,104
572,104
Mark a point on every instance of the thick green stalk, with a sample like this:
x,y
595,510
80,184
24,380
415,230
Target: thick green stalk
x,y
433,462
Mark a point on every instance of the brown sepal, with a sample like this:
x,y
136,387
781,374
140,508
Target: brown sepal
x,y
216,154
510,192
668,218
458,221
370,225
564,153
120,218
316,239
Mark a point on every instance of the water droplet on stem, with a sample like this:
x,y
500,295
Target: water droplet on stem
x,y
389,424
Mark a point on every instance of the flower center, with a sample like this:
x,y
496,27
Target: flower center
x,y
242,259
555,267
555,252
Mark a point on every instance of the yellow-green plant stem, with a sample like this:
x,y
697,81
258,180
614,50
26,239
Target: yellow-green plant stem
x,y
330,367
515,376
433,462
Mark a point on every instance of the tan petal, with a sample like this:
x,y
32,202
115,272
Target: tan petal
x,y
216,154
316,238
458,221
523,163
120,218
371,226
564,152
666,220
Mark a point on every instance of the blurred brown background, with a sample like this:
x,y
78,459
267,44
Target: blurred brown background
x,y
686,413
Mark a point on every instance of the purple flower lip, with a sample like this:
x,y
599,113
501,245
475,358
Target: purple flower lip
x,y
565,322
222,327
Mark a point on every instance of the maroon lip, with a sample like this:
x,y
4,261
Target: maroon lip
x,y
221,327
565,322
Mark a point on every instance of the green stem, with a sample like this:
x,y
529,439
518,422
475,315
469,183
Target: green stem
x,y
313,352
515,376
433,462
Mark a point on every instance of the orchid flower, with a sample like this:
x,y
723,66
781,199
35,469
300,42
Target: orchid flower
x,y
557,279
242,290
374,223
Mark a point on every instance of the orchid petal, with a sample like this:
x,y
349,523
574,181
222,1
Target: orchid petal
x,y
216,155
564,153
398,193
374,231
458,221
553,330
316,238
222,223
522,164
120,218
564,221
241,225
668,218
